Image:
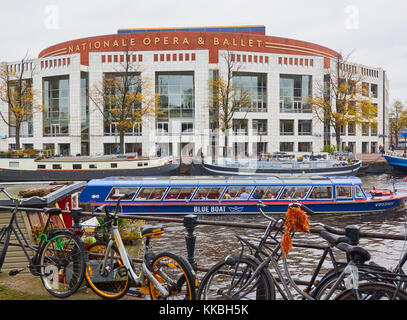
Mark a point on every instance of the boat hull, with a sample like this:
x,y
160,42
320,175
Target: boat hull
x,y
398,163
85,175
209,169
275,207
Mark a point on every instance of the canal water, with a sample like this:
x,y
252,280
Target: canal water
x,y
213,243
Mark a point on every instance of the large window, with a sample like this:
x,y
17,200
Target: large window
x,y
255,85
176,90
305,127
56,102
294,90
286,127
114,96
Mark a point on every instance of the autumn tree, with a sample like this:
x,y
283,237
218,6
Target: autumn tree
x,y
342,98
124,97
17,93
227,97
397,120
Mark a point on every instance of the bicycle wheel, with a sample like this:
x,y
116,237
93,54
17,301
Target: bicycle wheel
x,y
225,280
176,274
373,291
367,273
4,240
111,283
62,263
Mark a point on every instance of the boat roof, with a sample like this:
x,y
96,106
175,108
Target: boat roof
x,y
229,180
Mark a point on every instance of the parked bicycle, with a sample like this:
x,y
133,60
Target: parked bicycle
x,y
248,276
110,272
59,259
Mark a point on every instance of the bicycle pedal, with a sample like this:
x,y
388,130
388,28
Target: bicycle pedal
x,y
122,271
14,272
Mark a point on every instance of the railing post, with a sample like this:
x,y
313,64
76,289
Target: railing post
x,y
76,218
190,222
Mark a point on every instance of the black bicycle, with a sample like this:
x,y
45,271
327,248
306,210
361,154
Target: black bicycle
x,y
246,276
59,259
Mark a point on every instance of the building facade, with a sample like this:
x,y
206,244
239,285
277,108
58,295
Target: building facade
x,y
279,73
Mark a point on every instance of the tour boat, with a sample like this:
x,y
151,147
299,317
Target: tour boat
x,y
279,165
84,167
237,195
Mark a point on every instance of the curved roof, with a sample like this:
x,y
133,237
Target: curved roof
x,y
209,38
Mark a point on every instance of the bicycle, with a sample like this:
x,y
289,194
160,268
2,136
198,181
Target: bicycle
x,y
110,271
248,277
59,259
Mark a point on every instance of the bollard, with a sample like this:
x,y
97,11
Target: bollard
x,y
190,222
76,217
353,232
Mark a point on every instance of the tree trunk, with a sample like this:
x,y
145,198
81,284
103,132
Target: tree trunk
x,y
338,138
18,147
121,142
225,148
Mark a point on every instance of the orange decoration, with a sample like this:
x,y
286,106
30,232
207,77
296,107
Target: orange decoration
x,y
297,220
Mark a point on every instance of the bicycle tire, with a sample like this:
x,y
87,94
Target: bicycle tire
x,y
222,277
373,291
112,285
4,241
62,262
176,274
367,273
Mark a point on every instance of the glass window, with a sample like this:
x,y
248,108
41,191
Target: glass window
x,y
266,193
56,106
176,90
294,91
208,193
321,192
151,193
237,193
117,192
359,192
255,85
343,192
297,192
180,193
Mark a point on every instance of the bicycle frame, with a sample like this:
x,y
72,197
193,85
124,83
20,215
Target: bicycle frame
x,y
270,259
116,239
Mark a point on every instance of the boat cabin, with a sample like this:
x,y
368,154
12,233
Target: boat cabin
x,y
221,189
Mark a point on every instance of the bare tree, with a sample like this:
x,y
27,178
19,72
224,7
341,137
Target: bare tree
x,y
17,93
124,97
342,98
227,98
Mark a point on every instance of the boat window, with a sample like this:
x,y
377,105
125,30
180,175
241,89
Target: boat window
x,y
117,192
237,192
56,166
321,192
92,166
14,164
76,166
180,193
358,192
41,166
151,193
296,192
113,165
266,192
208,193
343,192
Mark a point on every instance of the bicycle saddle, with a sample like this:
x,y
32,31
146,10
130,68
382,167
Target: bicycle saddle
x,y
358,254
334,238
52,211
152,231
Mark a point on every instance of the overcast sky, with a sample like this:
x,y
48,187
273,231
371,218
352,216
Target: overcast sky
x,y
374,31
